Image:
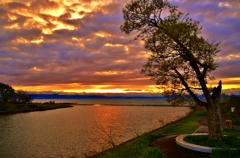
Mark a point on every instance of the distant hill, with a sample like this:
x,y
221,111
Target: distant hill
x,y
92,96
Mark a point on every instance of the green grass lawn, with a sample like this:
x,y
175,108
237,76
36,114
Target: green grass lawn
x,y
186,126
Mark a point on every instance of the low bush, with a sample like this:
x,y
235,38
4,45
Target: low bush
x,y
50,102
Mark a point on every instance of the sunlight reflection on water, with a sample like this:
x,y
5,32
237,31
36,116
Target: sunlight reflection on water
x,y
78,130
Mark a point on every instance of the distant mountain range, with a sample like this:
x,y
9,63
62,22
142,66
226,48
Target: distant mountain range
x,y
101,96
92,96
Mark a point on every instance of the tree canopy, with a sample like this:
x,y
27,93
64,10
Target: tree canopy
x,y
6,92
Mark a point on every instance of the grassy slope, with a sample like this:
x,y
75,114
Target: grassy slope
x,y
139,147
186,126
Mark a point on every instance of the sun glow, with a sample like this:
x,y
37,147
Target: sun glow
x,y
12,17
60,25
106,73
230,86
235,79
227,83
54,11
92,91
120,61
14,26
102,34
39,40
113,45
79,88
36,69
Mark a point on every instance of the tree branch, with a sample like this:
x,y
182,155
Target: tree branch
x,y
204,72
153,22
200,103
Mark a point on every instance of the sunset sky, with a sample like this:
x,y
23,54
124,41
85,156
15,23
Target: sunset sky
x,y
77,46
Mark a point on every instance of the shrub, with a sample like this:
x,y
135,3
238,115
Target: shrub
x,y
50,102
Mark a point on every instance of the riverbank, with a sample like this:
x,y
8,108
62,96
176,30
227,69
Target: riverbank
x,y
12,108
141,146
148,145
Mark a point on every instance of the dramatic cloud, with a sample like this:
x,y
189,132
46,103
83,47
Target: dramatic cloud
x,y
76,45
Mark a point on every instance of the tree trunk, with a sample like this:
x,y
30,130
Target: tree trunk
x,y
214,114
214,122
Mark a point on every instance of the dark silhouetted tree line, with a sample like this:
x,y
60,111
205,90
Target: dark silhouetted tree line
x,y
8,94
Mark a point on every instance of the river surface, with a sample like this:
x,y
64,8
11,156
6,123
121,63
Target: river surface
x,y
79,130
113,101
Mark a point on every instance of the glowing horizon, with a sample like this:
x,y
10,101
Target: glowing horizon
x,y
74,88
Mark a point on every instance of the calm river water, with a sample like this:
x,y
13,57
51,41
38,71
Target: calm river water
x,y
78,130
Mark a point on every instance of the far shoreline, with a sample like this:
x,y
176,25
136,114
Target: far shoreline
x,y
12,108
163,105
37,107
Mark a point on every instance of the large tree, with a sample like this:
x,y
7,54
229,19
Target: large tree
x,y
6,92
181,59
